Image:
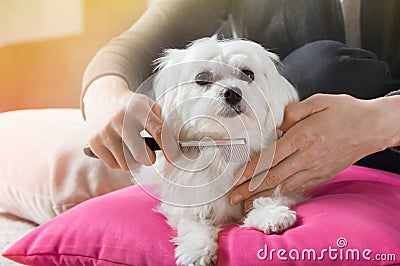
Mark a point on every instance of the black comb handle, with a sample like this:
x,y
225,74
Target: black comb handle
x,y
150,142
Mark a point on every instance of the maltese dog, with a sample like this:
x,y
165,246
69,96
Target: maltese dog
x,y
218,90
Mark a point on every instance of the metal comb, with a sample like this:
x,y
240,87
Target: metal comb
x,y
234,150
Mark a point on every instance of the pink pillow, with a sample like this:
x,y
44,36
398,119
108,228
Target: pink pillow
x,y
353,219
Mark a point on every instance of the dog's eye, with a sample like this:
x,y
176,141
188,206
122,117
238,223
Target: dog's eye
x,y
204,78
247,75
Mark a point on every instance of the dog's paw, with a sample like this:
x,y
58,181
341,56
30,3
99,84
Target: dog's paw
x,y
189,253
270,218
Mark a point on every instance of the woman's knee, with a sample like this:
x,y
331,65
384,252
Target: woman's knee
x,y
331,67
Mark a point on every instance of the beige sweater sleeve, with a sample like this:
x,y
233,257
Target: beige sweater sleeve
x,y
166,24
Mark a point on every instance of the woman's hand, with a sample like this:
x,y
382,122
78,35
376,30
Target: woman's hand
x,y
324,135
108,103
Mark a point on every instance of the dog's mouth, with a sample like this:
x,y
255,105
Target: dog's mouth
x,y
230,110
237,109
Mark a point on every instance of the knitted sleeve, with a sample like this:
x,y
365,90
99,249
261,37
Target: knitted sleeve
x,y
166,24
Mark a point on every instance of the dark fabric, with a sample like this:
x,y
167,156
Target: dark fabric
x,y
387,160
294,23
331,67
380,31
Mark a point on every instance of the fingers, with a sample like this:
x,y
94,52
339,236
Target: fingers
x,y
162,134
258,168
114,144
108,148
271,179
123,124
292,172
154,127
144,113
104,154
258,164
153,122
287,160
295,161
310,184
248,171
302,182
296,184
137,147
155,108
135,118
165,138
298,111
130,160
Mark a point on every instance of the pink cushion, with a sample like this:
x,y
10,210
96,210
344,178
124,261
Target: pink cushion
x,y
356,213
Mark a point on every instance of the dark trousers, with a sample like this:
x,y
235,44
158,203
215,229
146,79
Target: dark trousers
x,y
331,67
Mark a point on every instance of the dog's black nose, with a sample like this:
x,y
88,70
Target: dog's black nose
x,y
232,95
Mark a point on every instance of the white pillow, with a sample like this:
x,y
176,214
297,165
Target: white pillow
x,y
43,170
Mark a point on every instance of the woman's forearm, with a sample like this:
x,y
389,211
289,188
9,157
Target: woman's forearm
x,y
389,124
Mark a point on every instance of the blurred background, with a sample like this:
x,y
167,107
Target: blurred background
x,y
45,46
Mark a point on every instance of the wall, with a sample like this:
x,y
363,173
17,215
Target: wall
x,y
47,72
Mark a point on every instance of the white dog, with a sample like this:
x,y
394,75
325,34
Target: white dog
x,y
219,90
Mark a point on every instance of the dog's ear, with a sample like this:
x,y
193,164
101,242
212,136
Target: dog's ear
x,y
273,57
168,58
281,92
168,69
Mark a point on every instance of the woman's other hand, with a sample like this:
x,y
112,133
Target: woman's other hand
x,y
324,134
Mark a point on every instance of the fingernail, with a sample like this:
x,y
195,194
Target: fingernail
x,y
236,199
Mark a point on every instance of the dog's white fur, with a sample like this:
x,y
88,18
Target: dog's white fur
x,y
199,111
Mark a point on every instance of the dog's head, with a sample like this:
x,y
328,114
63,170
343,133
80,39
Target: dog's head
x,y
222,89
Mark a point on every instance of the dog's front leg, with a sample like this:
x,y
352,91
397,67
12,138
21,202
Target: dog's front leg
x,y
196,243
272,214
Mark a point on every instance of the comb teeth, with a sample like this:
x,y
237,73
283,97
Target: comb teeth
x,y
234,150
192,148
237,153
